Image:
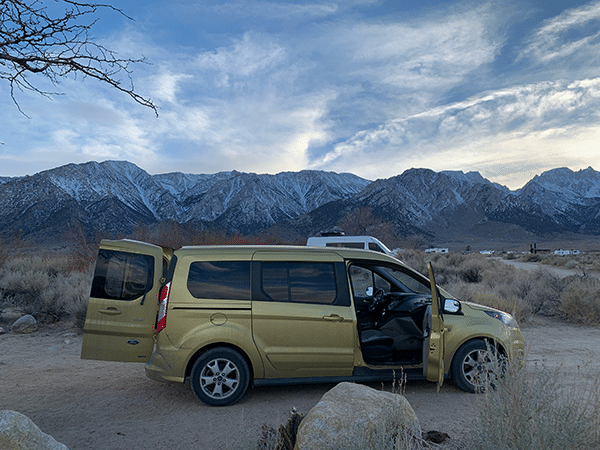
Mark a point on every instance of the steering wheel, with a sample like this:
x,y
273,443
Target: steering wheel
x,y
377,301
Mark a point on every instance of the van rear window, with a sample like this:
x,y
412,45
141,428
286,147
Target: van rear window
x,y
122,275
222,280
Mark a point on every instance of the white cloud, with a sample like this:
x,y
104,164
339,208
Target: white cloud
x,y
247,135
514,158
167,85
426,54
246,58
288,10
352,93
278,9
77,131
565,35
541,122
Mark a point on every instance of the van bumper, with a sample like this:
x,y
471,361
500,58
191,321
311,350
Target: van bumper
x,y
157,369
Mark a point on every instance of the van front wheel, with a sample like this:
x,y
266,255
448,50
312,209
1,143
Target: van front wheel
x,y
476,365
220,377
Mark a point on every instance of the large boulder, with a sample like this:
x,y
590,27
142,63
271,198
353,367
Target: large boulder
x,y
18,432
26,324
356,416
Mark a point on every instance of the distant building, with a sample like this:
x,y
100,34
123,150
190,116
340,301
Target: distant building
x,y
436,250
486,252
533,249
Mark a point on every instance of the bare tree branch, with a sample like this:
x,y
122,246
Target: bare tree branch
x,y
32,42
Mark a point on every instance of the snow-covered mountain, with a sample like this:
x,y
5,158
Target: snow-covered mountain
x,y
115,197
421,201
556,200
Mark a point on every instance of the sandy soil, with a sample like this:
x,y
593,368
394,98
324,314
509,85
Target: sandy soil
x,y
103,405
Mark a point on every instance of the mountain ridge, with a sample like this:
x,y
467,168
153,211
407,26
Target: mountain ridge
x,y
115,197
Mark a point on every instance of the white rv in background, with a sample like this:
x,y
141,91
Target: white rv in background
x,y
362,242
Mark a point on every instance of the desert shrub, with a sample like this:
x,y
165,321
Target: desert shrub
x,y
3,252
413,258
580,299
477,293
472,273
583,261
522,293
530,409
571,264
540,290
284,438
448,267
482,280
456,267
47,287
531,257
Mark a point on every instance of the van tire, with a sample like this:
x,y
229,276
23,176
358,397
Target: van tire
x,y
475,365
220,377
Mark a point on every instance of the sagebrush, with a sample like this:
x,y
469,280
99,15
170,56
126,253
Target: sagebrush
x,y
52,289
530,408
524,294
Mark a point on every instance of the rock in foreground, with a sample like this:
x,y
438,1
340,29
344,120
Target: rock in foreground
x,y
354,416
18,432
26,324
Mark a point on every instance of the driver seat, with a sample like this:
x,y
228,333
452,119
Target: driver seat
x,y
376,346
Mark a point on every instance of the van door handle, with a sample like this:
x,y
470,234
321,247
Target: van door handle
x,y
334,318
111,311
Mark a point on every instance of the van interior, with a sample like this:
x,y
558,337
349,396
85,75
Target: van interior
x,y
393,311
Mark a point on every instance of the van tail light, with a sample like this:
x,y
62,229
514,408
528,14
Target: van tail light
x,y
163,303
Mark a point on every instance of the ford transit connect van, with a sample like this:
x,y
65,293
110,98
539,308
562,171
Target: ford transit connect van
x,y
228,317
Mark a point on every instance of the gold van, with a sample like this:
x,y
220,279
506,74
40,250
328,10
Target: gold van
x,y
227,317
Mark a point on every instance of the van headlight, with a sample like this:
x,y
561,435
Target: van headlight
x,y
505,318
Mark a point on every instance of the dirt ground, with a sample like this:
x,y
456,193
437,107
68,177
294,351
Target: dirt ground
x,y
104,405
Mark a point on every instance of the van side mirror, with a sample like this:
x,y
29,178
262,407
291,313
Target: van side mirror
x,y
452,306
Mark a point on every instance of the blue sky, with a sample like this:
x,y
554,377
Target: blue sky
x,y
509,89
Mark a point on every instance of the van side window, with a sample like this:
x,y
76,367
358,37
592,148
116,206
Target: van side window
x,y
346,244
222,280
301,282
122,275
386,278
373,246
419,285
364,280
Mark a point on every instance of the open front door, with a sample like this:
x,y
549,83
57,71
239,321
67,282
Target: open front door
x,y
121,314
434,365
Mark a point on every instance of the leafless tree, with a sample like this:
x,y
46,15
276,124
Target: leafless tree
x,y
362,221
358,221
34,40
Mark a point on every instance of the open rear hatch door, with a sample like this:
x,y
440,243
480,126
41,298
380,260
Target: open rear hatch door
x,y
121,314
